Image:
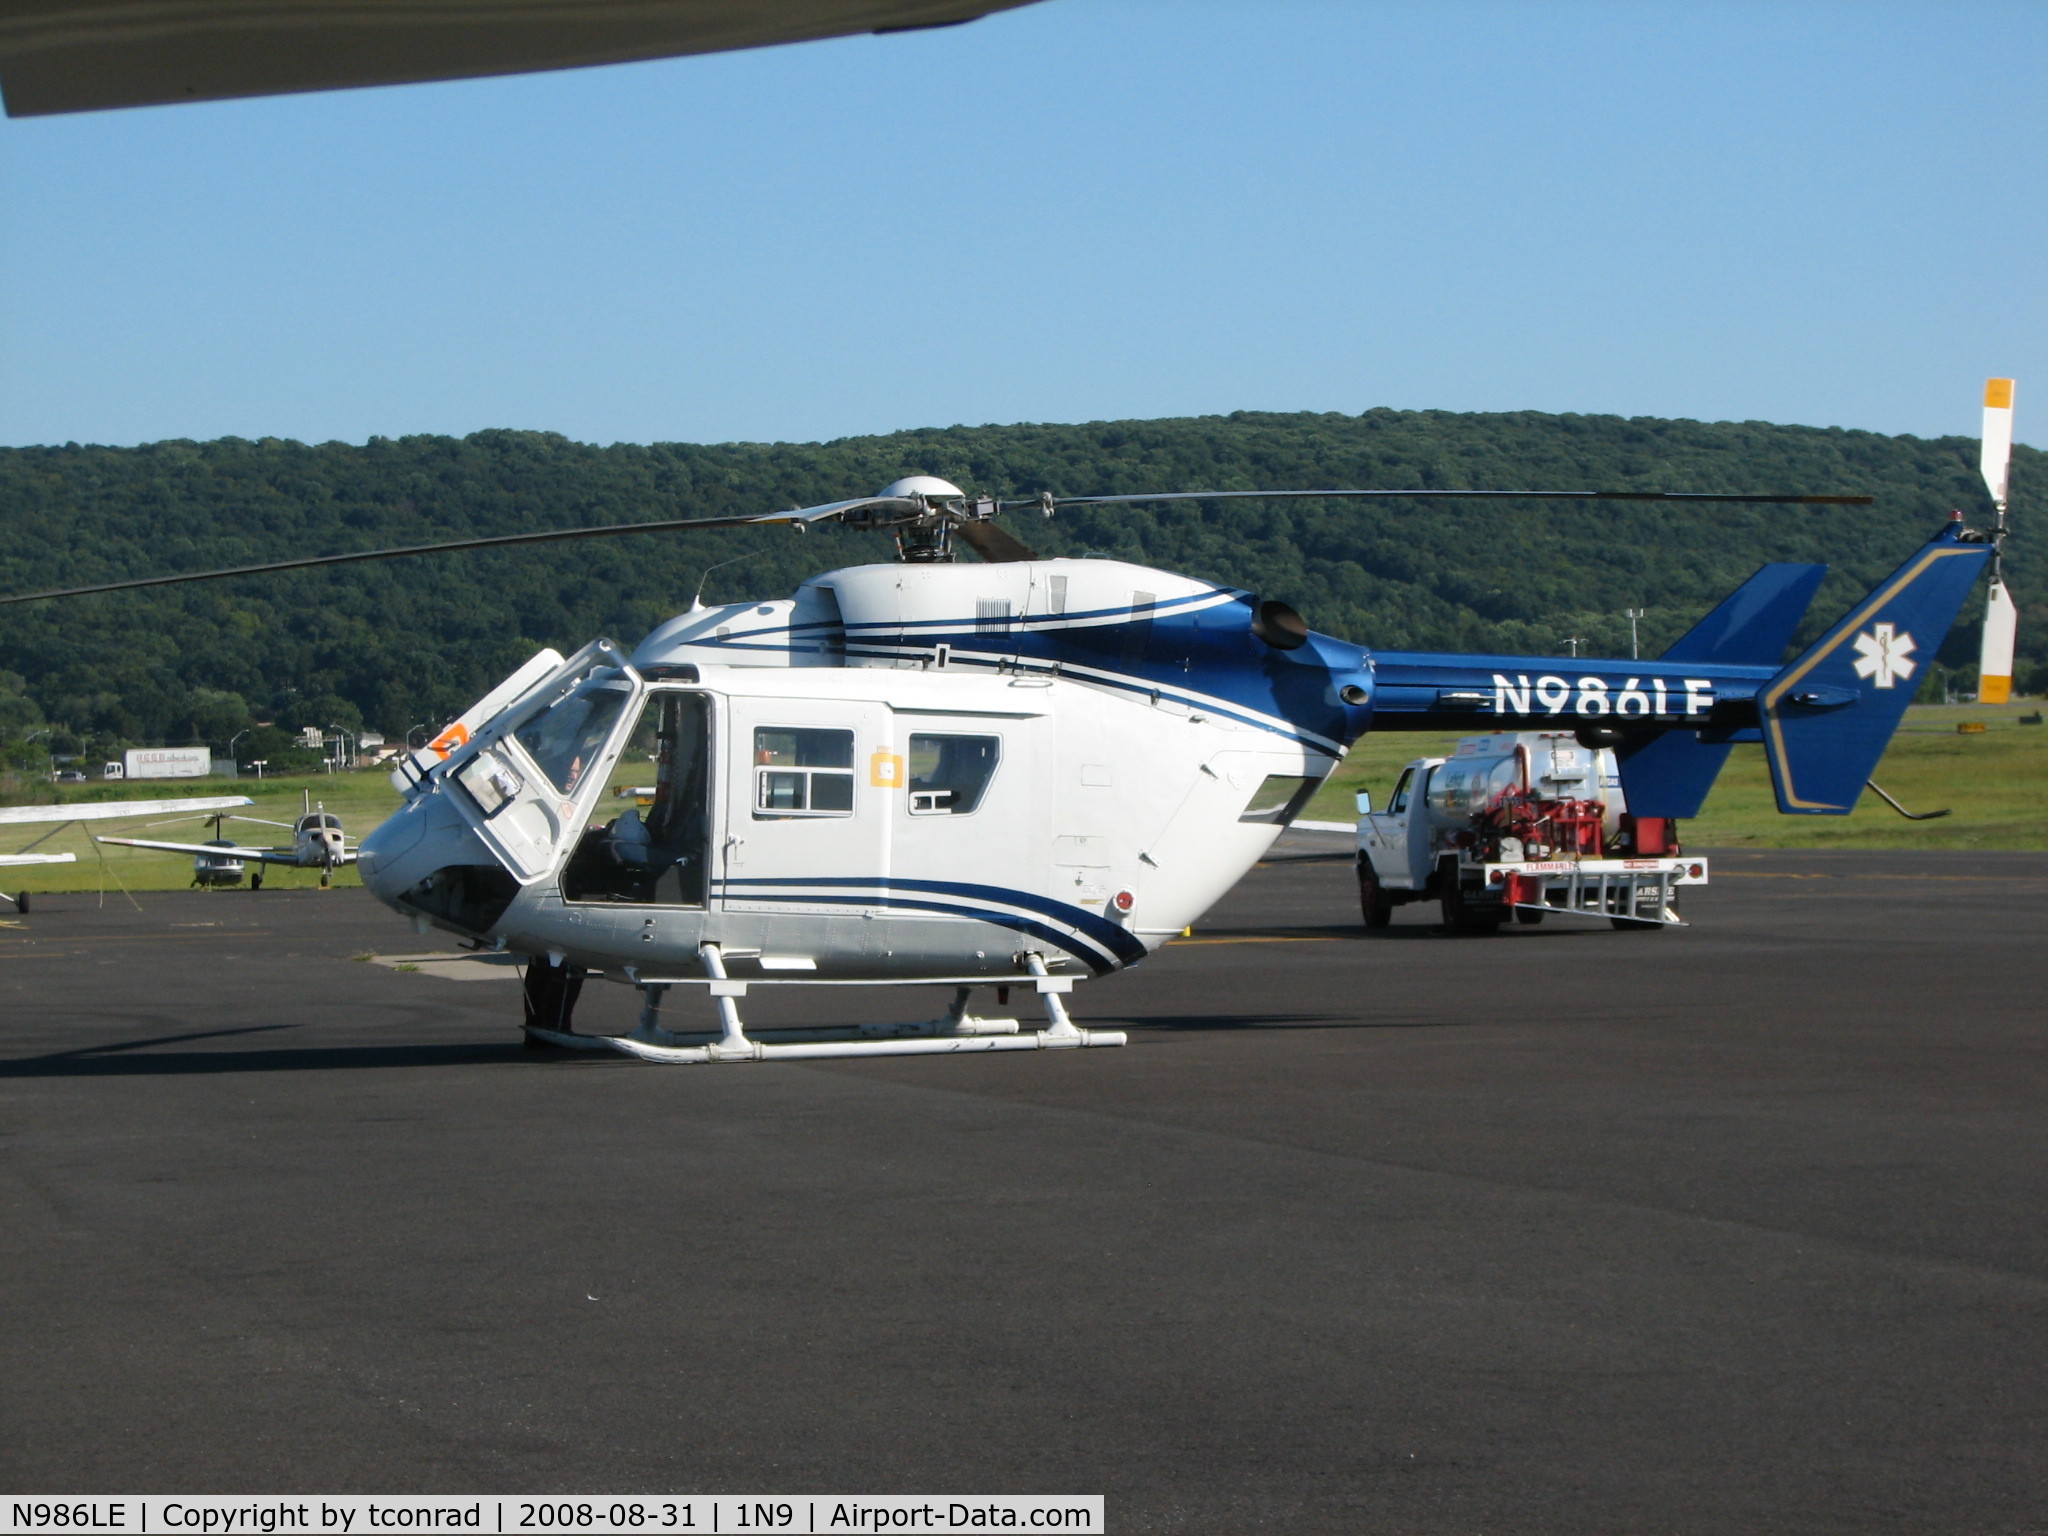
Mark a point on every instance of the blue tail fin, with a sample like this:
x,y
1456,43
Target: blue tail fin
x,y
1670,774
1754,623
1828,717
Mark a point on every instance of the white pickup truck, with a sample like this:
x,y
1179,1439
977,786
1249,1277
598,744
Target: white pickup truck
x,y
1521,824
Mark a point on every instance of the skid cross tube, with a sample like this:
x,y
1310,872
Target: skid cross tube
x,y
954,1032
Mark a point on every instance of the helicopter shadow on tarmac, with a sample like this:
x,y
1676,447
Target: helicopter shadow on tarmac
x,y
121,1059
1397,933
1233,1023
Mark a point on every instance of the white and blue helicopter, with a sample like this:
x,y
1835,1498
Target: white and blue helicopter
x,y
1022,772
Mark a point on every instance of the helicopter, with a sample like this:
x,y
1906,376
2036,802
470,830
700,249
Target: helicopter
x,y
1022,772
318,842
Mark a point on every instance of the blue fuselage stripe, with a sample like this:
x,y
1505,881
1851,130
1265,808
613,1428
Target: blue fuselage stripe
x,y
1118,941
1093,960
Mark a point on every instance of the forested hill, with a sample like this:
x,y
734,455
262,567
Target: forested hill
x,y
396,644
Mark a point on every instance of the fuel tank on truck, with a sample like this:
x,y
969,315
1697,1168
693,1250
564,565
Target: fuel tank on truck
x,y
1546,765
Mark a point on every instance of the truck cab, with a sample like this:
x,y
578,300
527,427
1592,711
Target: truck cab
x,y
1519,824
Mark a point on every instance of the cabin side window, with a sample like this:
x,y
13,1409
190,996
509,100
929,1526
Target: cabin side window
x,y
801,772
1401,786
1280,798
950,774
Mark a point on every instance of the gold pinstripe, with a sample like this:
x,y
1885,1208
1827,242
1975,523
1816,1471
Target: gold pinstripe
x,y
1776,691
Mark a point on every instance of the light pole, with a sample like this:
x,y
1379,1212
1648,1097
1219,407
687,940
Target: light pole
x,y
231,744
259,764
1575,641
1635,653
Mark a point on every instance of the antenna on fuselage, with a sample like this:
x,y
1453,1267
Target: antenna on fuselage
x,y
697,597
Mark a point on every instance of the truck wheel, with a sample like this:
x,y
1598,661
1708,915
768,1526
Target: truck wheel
x,y
21,903
1373,900
1461,916
1528,917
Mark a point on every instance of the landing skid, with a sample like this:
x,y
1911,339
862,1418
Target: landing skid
x,y
955,1033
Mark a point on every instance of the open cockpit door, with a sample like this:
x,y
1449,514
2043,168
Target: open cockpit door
x,y
531,777
413,768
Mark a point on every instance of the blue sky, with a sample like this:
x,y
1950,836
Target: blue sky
x,y
1821,213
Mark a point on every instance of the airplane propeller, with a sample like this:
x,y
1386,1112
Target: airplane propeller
x,y
924,524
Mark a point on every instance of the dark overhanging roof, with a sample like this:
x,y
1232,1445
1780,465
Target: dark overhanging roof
x,y
81,55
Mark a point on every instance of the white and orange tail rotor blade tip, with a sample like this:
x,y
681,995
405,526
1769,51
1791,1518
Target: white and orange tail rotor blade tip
x,y
2001,618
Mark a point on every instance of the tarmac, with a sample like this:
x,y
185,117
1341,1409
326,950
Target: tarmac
x,y
1725,1229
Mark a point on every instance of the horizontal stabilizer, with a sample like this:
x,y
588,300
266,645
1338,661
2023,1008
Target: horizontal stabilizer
x,y
1754,623
1828,717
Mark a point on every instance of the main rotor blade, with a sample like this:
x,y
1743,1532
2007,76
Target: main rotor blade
x,y
995,545
801,515
1424,495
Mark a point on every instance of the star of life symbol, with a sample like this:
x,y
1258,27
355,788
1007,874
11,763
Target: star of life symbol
x,y
1884,656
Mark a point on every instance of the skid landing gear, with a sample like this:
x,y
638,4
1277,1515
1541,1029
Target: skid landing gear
x,y
957,1031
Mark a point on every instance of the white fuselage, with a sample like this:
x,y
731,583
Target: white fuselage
x,y
820,818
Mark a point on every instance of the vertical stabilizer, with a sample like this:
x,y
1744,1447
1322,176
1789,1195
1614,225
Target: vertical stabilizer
x,y
1754,623
1828,717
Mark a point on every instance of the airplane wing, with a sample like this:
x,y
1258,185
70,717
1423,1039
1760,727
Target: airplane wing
x,y
213,850
9,860
112,810
79,55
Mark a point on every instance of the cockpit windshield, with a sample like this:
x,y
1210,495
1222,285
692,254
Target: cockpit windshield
x,y
565,739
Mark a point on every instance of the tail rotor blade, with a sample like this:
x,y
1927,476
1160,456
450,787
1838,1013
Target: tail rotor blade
x,y
1995,459
2001,633
2001,618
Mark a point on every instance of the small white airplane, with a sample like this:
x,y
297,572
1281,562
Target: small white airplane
x,y
109,810
318,842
